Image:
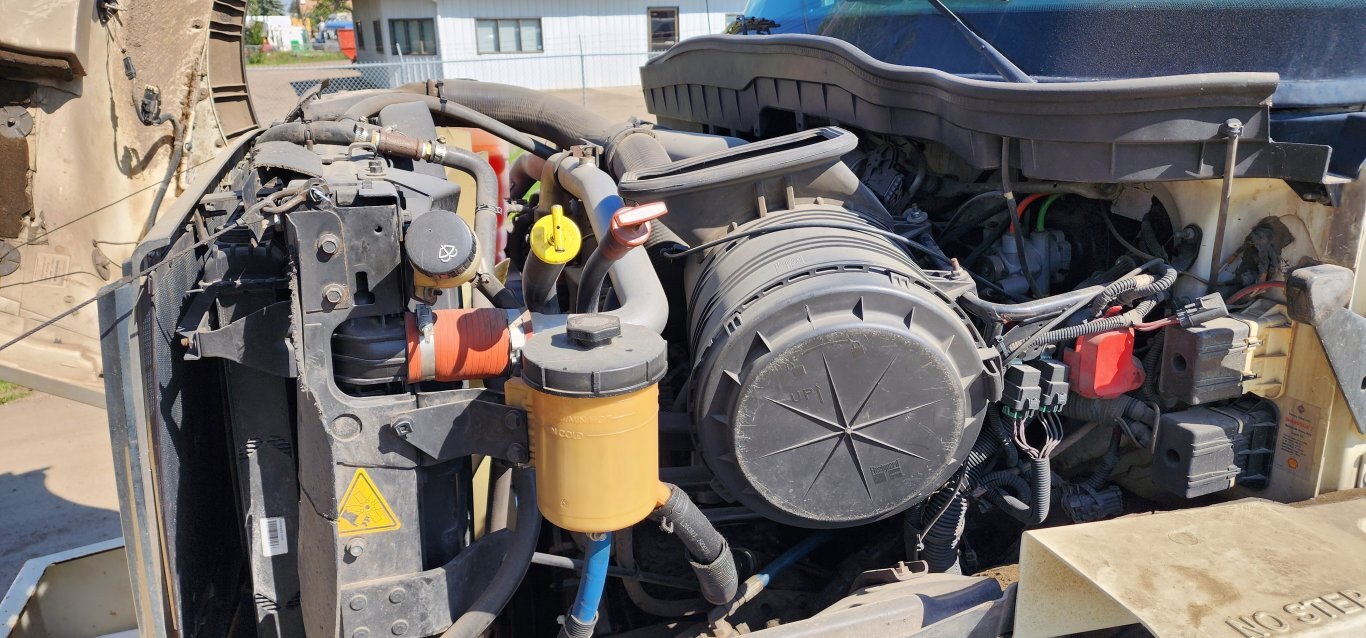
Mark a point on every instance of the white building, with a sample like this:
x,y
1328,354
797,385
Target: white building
x,y
281,32
542,44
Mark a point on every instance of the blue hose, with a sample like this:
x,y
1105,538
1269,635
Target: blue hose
x,y
792,555
584,613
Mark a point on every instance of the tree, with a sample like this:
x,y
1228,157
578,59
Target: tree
x,y
265,8
325,8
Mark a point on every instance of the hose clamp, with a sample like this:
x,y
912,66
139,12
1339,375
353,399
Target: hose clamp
x,y
519,328
438,154
426,341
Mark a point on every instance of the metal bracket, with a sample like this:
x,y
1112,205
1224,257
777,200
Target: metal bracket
x,y
422,604
475,423
259,340
1342,334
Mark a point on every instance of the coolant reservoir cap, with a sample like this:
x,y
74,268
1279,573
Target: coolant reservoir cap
x,y
593,356
440,245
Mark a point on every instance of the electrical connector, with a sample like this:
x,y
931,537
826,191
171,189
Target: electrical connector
x,y
1206,308
1022,392
1053,386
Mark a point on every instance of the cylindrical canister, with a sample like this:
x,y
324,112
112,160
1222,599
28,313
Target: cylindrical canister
x,y
591,397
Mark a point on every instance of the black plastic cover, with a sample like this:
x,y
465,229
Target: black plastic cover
x,y
555,362
1130,130
1208,449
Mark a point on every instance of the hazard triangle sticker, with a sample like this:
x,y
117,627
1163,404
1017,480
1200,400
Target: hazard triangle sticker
x,y
363,508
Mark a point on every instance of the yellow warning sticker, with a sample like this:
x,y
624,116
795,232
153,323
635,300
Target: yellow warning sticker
x,y
363,508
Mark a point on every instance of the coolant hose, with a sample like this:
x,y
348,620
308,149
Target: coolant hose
x,y
643,301
590,282
536,112
583,615
1028,310
525,172
505,581
343,132
708,553
463,114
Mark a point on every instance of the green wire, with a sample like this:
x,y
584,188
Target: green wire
x,y
1043,210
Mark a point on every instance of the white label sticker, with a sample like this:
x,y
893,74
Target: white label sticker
x,y
52,269
273,539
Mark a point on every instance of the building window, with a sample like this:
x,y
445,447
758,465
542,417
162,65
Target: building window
x,y
360,36
414,36
514,35
663,27
379,36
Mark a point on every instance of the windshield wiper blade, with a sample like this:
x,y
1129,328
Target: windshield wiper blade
x,y
1003,65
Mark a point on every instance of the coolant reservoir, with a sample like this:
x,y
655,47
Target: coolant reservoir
x,y
589,389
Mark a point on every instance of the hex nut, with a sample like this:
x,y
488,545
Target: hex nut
x,y
355,547
329,244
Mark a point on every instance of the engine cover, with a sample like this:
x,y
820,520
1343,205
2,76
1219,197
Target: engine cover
x,y
834,383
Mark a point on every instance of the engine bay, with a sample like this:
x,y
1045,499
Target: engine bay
x,y
484,361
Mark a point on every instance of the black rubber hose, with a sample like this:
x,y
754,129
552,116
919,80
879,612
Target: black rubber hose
x,y
508,578
709,554
177,146
538,113
1029,310
1107,465
463,114
497,294
635,151
590,282
340,132
1041,490
958,222
524,173
1136,413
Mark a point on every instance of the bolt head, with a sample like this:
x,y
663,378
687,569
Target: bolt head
x,y
360,632
397,595
334,293
399,627
355,547
403,427
517,453
356,603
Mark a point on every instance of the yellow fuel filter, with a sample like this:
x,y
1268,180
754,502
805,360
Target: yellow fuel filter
x,y
589,389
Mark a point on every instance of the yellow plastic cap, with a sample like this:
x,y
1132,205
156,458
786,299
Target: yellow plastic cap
x,y
555,239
